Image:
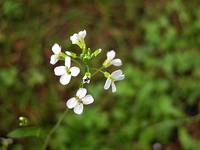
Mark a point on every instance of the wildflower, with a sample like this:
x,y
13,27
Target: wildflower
x,y
78,38
111,61
66,71
111,78
86,78
55,57
77,102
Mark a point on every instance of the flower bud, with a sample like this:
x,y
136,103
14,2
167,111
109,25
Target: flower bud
x,y
106,74
96,52
71,54
86,78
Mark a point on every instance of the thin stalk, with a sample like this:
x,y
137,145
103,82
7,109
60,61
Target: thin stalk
x,y
76,62
53,130
97,70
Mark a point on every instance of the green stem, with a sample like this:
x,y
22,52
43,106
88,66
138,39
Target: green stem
x,y
97,70
53,130
76,62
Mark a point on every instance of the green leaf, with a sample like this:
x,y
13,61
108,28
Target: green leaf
x,y
25,132
186,140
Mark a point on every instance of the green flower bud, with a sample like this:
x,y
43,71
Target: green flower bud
x,y
106,74
96,52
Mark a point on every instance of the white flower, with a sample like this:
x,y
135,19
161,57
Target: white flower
x,y
66,71
114,76
111,61
86,78
78,38
56,50
77,102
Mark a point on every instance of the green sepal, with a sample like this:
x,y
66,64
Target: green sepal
x,y
61,56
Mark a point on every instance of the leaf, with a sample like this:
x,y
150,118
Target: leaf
x,y
186,140
25,132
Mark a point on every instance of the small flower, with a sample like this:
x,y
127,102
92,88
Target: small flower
x,y
56,50
66,71
86,78
111,78
111,61
77,102
78,38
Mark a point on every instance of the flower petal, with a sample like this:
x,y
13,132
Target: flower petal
x,y
116,62
74,71
82,34
78,109
110,54
60,70
67,61
68,53
116,73
54,59
120,77
56,48
71,103
74,38
107,84
64,79
81,93
113,87
88,99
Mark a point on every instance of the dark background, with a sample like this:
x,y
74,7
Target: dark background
x,y
158,42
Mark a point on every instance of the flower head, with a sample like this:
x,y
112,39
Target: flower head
x,y
56,49
86,78
111,61
77,102
78,38
111,78
65,72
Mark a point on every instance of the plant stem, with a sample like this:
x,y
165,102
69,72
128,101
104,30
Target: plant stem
x,y
53,130
76,62
97,70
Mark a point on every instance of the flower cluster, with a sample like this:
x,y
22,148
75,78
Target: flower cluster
x,y
67,71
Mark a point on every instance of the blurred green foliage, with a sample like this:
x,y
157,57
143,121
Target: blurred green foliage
x,y
158,42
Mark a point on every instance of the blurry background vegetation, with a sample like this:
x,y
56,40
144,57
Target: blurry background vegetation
x,y
158,42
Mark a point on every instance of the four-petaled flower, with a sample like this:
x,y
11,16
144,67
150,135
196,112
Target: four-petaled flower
x,y
66,71
78,38
55,57
77,102
111,78
111,61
